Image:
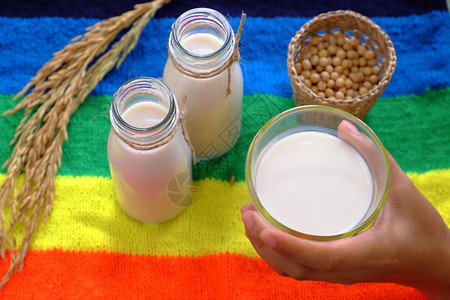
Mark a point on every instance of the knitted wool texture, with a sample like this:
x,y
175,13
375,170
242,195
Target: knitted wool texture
x,y
261,38
309,8
89,248
211,225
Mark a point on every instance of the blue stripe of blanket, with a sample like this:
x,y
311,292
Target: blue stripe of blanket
x,y
421,43
256,8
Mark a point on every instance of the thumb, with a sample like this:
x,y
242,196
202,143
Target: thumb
x,y
360,141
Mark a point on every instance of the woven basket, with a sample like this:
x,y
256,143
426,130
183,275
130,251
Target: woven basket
x,y
352,24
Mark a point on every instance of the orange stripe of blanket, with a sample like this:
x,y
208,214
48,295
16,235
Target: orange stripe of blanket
x,y
61,274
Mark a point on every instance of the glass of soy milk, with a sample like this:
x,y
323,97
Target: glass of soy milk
x,y
310,176
149,159
201,44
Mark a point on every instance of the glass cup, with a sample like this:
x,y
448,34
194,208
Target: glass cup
x,y
317,119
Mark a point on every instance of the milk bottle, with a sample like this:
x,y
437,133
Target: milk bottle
x,y
150,161
201,41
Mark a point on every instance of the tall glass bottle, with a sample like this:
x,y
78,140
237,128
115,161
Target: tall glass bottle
x,y
200,43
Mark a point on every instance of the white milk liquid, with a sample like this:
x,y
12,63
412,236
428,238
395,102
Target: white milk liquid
x,y
314,183
147,182
213,120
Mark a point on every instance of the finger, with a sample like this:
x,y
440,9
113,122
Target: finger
x,y
366,147
334,256
349,133
373,155
248,218
247,207
253,225
267,257
282,265
288,264
337,274
285,267
359,140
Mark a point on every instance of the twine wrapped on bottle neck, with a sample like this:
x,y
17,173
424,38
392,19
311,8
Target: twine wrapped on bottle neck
x,y
167,138
182,123
235,57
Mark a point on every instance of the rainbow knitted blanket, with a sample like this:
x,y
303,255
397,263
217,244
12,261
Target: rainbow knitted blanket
x,y
89,248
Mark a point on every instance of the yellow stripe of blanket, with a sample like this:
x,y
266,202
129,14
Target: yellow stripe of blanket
x,y
86,217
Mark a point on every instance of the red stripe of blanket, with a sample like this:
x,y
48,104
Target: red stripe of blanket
x,y
57,274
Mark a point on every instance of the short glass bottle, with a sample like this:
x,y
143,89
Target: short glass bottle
x,y
149,159
200,43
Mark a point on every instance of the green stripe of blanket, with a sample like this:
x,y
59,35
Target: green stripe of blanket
x,y
414,128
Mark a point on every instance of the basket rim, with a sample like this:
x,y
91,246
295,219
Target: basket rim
x,y
390,63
